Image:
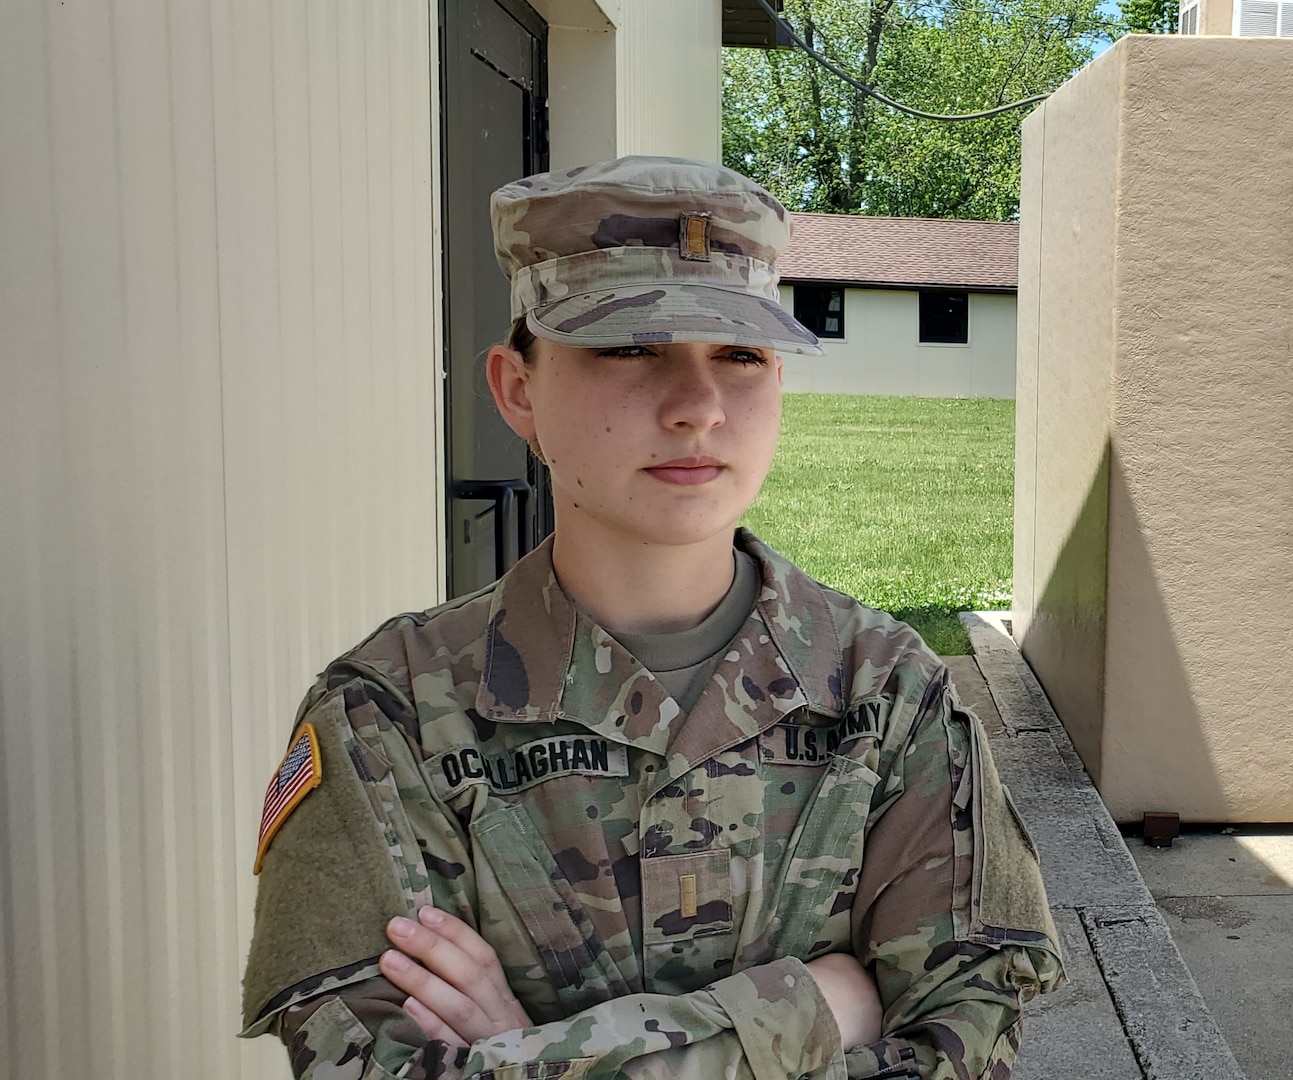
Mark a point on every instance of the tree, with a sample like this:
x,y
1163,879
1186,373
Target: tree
x,y
820,144
1151,16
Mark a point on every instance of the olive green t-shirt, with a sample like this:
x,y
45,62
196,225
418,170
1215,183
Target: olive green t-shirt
x,y
683,662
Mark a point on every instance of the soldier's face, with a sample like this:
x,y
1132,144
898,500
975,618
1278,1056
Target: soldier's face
x,y
662,444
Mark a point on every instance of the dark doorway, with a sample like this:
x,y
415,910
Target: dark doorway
x,y
494,118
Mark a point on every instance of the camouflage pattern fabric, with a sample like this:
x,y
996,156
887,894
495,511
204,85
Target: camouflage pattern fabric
x,y
826,793
644,250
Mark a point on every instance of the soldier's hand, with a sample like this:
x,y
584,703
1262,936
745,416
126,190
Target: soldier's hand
x,y
851,993
456,986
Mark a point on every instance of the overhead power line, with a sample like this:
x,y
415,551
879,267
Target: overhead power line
x,y
977,7
871,91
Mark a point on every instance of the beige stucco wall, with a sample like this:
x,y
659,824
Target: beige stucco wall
x,y
1155,279
1065,357
881,353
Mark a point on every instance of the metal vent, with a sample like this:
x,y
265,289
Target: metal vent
x,y
1258,18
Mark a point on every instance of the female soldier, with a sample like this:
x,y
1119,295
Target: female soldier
x,y
655,804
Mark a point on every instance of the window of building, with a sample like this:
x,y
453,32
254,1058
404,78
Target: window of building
x,y
1189,19
1263,18
821,309
944,317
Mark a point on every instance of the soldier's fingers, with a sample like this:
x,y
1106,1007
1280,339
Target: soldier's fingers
x,y
432,1026
474,946
459,1012
445,958
473,1000
462,935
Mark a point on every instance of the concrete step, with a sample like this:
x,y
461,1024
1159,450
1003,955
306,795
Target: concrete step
x,y
1131,1009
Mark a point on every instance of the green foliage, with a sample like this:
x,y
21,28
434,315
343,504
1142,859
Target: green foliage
x,y
819,144
1151,16
942,629
905,503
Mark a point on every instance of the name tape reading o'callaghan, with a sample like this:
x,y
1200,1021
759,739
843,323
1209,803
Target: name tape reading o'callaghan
x,y
528,764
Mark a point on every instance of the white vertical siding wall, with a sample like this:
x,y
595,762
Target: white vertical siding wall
x,y
633,77
881,353
582,98
670,68
221,465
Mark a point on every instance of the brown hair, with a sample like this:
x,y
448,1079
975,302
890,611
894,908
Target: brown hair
x,y
521,338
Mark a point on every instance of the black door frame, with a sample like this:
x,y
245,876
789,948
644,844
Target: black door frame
x,y
538,506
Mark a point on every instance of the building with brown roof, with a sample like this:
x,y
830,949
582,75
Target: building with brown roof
x,y
915,306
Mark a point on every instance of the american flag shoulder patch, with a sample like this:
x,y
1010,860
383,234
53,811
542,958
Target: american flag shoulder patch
x,y
300,773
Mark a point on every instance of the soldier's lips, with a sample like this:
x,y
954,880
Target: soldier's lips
x,y
687,472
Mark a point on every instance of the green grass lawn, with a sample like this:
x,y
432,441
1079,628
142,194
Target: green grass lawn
x,y
906,503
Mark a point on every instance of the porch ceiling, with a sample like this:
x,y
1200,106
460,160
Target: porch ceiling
x,y
746,25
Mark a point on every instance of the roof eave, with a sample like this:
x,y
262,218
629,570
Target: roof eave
x,y
857,283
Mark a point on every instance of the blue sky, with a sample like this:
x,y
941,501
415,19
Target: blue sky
x,y
1111,9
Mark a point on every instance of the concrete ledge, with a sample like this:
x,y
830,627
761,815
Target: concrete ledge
x,y
1132,1009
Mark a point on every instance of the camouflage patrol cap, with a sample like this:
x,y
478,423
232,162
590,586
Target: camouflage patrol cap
x,y
646,250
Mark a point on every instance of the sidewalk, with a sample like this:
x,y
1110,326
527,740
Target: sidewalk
x,y
1228,900
1131,1009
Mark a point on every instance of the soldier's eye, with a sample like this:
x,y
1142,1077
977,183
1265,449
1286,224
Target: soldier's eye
x,y
628,351
747,356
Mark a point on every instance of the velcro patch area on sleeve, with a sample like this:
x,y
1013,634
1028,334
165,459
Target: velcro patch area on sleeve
x,y
327,885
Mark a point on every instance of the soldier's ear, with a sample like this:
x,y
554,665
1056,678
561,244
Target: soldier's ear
x,y
509,382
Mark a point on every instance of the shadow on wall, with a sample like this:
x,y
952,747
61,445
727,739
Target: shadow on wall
x,y
1064,636
1102,644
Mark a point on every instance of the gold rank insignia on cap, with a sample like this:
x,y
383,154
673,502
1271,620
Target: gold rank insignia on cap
x,y
300,772
693,236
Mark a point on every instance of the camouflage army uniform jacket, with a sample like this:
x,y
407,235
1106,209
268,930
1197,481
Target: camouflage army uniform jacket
x,y
653,884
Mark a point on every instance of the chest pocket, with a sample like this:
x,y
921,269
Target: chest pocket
x,y
577,964
685,899
823,859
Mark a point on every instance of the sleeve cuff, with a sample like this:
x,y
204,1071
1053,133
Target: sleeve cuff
x,y
786,1028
